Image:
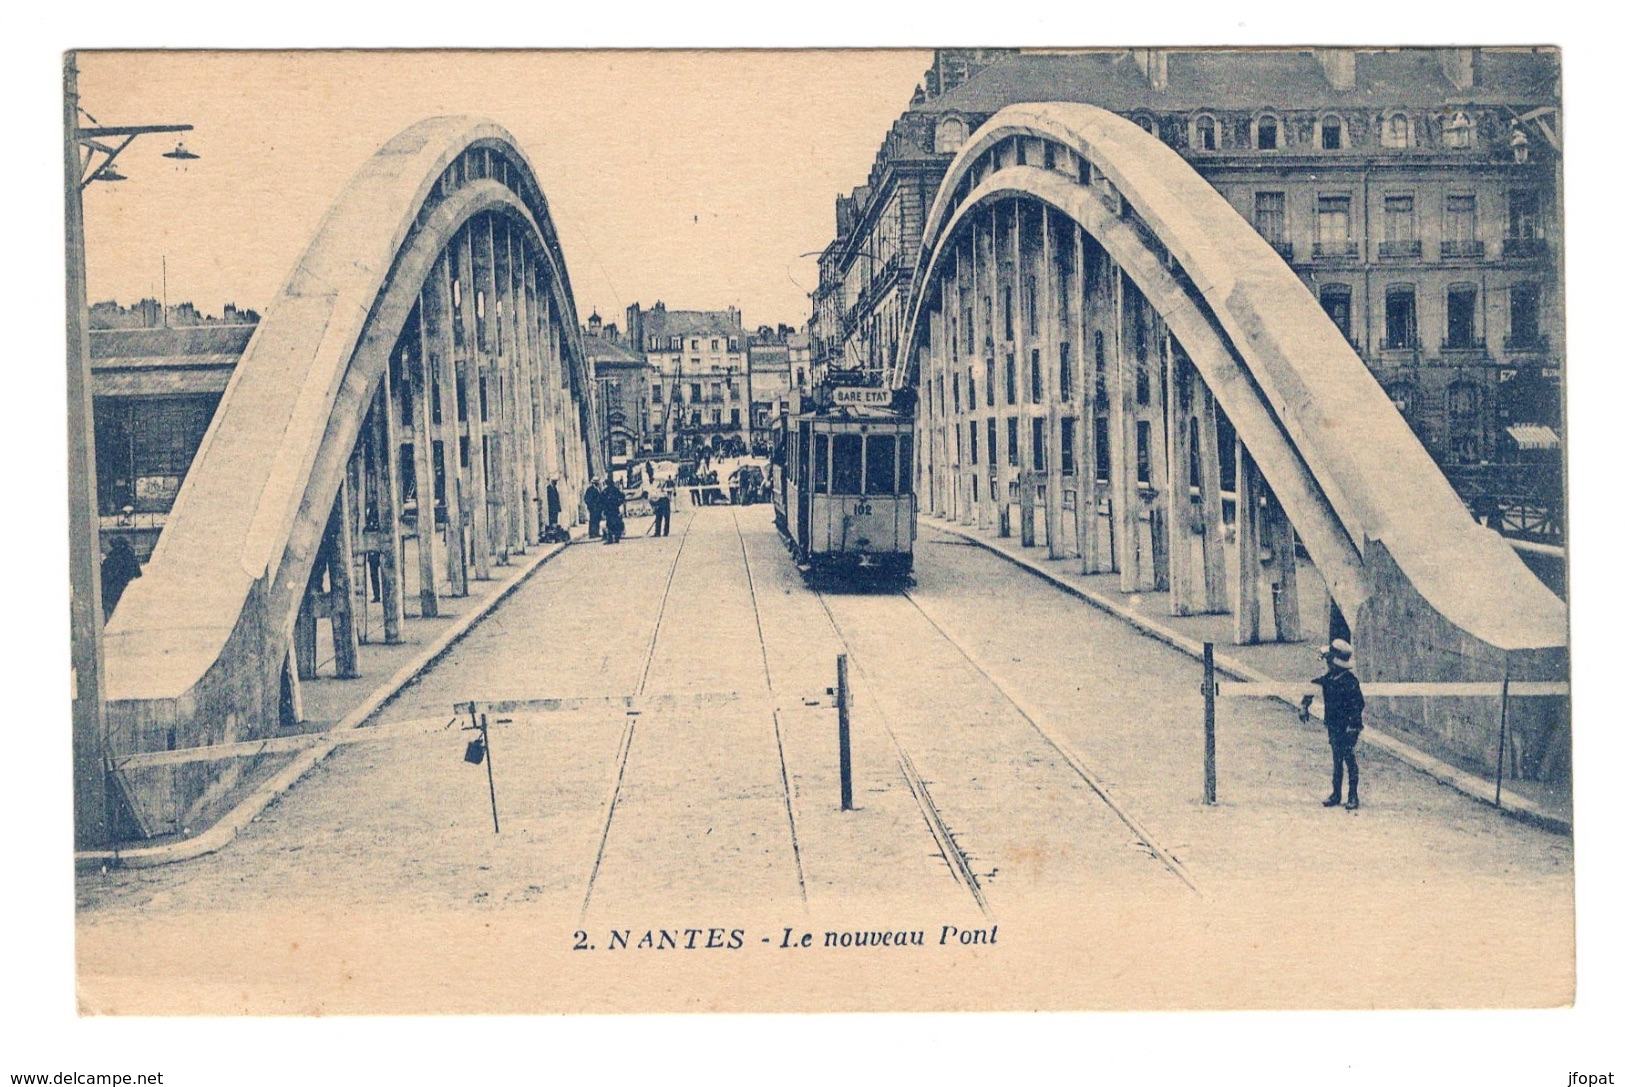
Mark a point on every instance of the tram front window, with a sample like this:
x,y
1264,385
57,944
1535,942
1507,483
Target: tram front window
x,y
821,463
880,470
847,468
905,463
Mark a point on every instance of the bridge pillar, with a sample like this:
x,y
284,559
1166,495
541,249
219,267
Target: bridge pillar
x,y
1052,320
1215,594
386,490
1125,494
1177,474
475,400
1244,603
438,302
419,388
340,550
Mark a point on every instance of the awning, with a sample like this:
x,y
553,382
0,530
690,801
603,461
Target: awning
x,y
1530,436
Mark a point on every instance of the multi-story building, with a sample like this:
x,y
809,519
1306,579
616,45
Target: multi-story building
x,y
1414,191
770,386
699,392
621,379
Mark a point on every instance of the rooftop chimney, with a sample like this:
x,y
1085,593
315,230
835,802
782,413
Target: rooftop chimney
x,y
1458,67
1153,64
1338,67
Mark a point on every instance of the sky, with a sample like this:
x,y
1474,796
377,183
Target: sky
x,y
696,177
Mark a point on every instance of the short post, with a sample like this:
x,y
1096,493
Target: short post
x,y
1210,691
1501,746
843,702
490,778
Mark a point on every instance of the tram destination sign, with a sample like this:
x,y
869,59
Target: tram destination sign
x,y
863,396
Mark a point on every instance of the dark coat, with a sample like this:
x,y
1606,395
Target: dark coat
x,y
119,568
1345,704
553,505
594,498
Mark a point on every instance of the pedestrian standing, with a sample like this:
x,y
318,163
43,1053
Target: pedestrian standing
x,y
119,568
662,507
1345,709
554,506
611,500
594,499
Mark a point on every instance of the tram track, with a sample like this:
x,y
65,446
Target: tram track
x,y
956,858
953,856
624,751
778,734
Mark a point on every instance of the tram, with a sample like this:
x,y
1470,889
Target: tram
x,y
843,482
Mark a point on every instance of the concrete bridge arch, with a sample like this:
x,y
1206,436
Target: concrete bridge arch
x,y
430,315
1084,298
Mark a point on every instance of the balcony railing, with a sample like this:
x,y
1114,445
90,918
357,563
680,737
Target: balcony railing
x,y
1399,250
1475,343
1527,344
1337,250
1523,248
1406,344
1460,250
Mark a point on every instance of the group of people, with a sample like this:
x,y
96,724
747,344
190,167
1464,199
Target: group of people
x,y
606,504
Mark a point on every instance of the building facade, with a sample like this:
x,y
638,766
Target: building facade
x,y
621,380
699,392
1415,192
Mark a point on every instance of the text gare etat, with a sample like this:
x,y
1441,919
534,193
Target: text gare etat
x,y
737,939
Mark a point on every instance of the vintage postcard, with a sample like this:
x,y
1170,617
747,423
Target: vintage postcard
x,y
971,529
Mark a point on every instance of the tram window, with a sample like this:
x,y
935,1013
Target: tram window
x,y
905,464
847,470
880,465
821,463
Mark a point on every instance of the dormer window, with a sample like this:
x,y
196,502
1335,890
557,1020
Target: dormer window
x,y
1267,133
951,134
1396,131
1205,134
1146,121
1458,131
1331,133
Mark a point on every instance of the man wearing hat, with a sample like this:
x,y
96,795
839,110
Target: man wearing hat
x,y
1345,705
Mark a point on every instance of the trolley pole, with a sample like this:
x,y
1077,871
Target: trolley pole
x,y
1210,691
843,704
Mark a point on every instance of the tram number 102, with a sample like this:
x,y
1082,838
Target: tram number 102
x,y
862,509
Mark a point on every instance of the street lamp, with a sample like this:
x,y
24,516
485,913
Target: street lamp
x,y
93,798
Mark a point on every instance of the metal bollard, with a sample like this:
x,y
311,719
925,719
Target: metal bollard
x,y
843,701
1210,691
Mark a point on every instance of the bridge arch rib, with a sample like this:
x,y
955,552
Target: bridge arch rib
x,y
1083,297
430,315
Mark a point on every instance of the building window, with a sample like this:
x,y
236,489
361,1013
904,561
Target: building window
x,y
654,392
1205,133
1524,315
1400,317
1399,240
1461,402
1269,217
694,396
1458,131
1523,214
1012,441
1066,371
1331,133
1337,300
1029,303
956,390
993,443
1103,449
694,345
1010,377
1461,226
1009,313
1142,450
1037,385
1332,224
970,387
1461,316
1039,464
990,377
1396,131
1267,133
951,134
1146,121
733,416
975,444
1069,434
